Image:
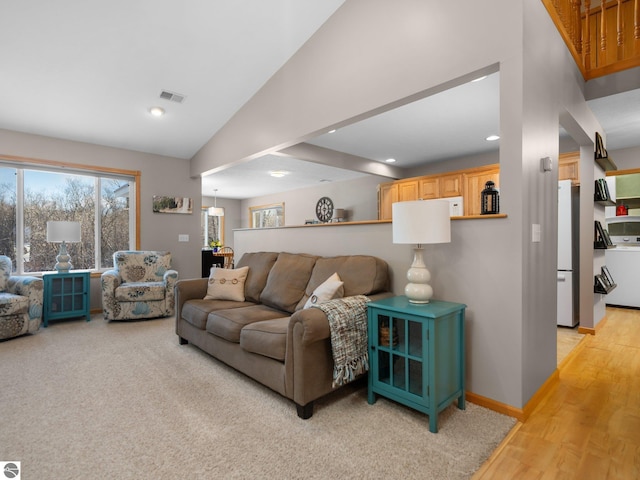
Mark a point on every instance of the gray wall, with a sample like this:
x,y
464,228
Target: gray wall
x,y
159,176
405,50
358,197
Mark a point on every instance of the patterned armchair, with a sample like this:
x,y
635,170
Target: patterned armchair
x,y
141,285
20,302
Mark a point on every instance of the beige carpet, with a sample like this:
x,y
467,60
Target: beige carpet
x,y
105,400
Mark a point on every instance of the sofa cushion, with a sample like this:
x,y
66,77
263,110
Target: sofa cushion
x,y
288,280
268,338
226,284
259,264
142,266
361,274
196,311
227,324
140,292
331,288
11,304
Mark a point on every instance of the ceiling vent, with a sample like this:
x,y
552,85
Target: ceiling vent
x,y
172,96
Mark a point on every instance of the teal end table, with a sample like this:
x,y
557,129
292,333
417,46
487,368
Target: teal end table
x,y
417,354
66,295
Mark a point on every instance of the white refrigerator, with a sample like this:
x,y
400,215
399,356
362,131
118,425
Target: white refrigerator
x,y
567,262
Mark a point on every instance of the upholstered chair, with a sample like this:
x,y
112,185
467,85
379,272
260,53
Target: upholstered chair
x,y
20,302
140,286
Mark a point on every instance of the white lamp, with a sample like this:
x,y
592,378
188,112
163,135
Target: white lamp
x,y
215,211
420,222
63,232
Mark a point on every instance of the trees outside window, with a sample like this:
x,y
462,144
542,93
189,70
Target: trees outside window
x,y
31,197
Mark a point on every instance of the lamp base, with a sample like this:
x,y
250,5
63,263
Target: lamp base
x,y
63,265
418,289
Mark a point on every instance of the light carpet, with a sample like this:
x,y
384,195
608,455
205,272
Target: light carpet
x,y
99,400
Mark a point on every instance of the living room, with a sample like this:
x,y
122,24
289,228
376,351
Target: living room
x,y
491,265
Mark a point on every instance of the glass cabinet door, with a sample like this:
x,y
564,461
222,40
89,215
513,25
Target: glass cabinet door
x,y
399,353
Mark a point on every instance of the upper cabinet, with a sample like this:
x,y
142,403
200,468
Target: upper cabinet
x,y
569,167
450,185
466,183
387,195
428,188
474,182
408,191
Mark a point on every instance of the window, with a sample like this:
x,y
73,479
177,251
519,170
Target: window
x,y
212,228
31,195
266,216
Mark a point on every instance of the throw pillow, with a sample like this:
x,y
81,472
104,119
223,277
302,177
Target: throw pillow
x,y
331,288
227,284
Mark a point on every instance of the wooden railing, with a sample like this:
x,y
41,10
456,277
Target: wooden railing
x,y
603,36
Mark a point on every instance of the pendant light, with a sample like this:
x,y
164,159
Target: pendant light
x,y
215,211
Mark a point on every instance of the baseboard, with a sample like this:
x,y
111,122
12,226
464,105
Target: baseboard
x,y
520,414
591,330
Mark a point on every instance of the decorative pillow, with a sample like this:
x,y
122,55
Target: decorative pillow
x,y
331,288
227,284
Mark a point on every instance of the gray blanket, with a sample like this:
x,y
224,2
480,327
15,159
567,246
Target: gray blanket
x,y
349,341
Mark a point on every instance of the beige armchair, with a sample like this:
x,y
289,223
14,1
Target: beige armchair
x,y
141,285
20,302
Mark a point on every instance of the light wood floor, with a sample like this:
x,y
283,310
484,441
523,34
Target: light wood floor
x,y
588,426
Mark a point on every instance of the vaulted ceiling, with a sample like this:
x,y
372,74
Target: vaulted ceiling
x,y
91,71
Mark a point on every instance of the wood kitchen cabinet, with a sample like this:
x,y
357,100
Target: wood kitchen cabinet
x,y
450,185
474,182
387,195
428,188
466,183
569,167
408,191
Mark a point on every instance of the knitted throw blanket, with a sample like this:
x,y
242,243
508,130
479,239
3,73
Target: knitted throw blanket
x,y
348,324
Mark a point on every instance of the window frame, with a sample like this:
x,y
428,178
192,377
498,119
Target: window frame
x,y
54,166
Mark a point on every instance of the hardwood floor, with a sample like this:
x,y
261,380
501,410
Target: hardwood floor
x,y
588,426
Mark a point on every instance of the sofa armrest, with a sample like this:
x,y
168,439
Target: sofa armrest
x,y
110,280
189,289
311,325
30,287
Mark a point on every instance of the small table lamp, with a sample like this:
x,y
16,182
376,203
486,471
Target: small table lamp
x,y
420,222
63,232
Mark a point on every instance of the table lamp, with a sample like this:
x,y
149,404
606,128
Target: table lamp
x,y
63,232
420,222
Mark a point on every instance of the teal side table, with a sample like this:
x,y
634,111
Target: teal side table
x,y
416,354
66,295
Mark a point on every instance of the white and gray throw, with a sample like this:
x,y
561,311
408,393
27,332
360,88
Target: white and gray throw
x,y
349,341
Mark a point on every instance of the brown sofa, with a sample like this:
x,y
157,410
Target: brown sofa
x,y
270,336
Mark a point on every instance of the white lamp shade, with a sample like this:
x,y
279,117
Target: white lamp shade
x,y
216,211
63,232
421,222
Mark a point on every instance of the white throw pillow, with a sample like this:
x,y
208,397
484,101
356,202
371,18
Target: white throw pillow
x,y
331,288
227,284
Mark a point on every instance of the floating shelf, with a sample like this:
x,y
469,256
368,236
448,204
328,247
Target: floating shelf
x,y
606,163
599,289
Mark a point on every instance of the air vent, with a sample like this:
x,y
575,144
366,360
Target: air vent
x,y
172,96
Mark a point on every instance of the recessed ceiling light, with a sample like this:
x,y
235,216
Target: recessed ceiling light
x,y
156,111
390,160
492,138
479,79
278,173
332,131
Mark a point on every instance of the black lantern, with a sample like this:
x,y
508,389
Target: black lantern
x,y
489,199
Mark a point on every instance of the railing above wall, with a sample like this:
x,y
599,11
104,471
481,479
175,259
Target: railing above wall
x,y
603,36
